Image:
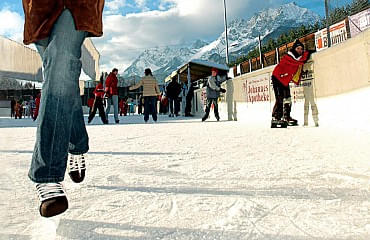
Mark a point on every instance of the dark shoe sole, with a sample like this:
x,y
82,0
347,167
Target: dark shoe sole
x,y
53,206
76,176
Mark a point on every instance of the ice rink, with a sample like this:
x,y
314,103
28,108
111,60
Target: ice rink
x,y
184,179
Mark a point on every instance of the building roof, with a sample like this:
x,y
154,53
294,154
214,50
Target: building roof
x,y
199,69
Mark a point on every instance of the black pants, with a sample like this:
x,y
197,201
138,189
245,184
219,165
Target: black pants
x,y
281,92
174,105
150,107
98,104
189,99
208,107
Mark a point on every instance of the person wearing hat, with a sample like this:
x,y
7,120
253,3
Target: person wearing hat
x,y
288,70
213,93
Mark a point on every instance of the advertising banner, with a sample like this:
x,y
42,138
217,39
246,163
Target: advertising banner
x,y
298,91
359,22
338,34
257,89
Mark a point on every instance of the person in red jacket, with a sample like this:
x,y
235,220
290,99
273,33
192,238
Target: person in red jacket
x,y
37,102
98,103
289,69
111,89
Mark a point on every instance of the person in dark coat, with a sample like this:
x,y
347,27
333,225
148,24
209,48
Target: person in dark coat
x,y
58,28
213,93
12,108
173,90
289,69
98,103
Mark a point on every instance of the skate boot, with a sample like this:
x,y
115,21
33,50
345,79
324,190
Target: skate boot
x,y
76,167
286,115
205,117
53,199
278,123
291,121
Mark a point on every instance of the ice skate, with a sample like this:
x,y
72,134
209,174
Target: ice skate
x,y
291,121
278,123
76,167
53,199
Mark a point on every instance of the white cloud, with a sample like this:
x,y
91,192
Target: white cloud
x,y
115,4
11,25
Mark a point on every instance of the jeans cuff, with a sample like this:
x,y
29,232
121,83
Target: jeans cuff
x,y
46,179
74,152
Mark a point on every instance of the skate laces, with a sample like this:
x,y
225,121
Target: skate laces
x,y
76,162
47,191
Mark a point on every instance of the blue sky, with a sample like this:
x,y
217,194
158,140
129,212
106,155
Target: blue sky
x,y
133,25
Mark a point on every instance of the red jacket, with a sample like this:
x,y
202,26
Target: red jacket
x,y
289,67
111,84
99,91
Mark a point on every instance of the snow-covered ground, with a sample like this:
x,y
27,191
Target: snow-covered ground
x,y
184,179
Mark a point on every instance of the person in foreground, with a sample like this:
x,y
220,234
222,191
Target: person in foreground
x,y
59,28
288,70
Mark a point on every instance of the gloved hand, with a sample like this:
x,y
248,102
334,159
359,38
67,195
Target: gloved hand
x,y
222,90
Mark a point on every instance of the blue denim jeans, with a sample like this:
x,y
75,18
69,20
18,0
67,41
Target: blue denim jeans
x,y
113,99
150,107
61,127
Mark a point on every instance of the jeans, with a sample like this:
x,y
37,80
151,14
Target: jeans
x,y
150,107
61,127
113,99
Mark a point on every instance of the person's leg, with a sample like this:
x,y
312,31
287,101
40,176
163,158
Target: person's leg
x,y
146,108
153,108
171,103
93,111
215,105
61,103
99,103
208,108
115,107
277,111
109,103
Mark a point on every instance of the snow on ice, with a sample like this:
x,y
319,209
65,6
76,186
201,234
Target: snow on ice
x,y
184,179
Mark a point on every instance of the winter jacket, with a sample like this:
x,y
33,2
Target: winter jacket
x,y
111,84
150,86
213,87
40,16
99,91
173,89
290,68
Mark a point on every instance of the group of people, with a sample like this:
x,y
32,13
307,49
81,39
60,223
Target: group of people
x,y
21,108
61,139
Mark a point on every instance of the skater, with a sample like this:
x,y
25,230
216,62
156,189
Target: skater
x,y
213,93
111,91
173,90
98,103
18,109
289,69
37,106
58,28
32,106
150,94
12,108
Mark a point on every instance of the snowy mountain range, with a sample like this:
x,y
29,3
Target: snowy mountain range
x,y
242,34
